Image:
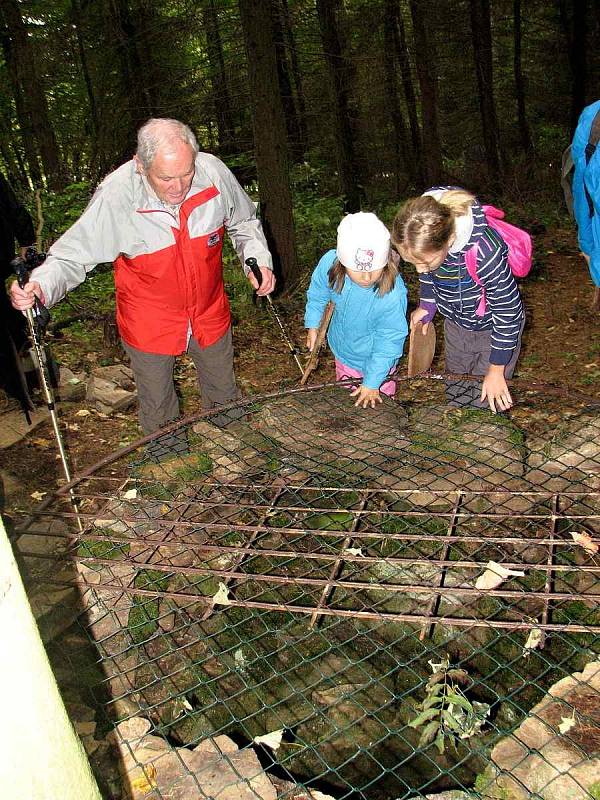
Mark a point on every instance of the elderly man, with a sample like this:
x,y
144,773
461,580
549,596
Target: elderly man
x,y
161,218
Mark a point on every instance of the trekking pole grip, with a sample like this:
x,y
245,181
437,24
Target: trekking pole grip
x,y
252,265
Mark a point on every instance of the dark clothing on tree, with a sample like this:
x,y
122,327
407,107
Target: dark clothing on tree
x,y
15,223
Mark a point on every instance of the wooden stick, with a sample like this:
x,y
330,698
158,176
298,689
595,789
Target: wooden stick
x,y
321,331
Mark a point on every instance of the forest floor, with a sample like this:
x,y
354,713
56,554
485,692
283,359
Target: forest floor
x,y
561,346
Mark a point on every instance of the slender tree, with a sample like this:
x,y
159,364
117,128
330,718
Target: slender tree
x,y
338,73
223,106
134,71
426,73
524,133
402,157
481,35
270,135
76,18
290,43
394,24
285,84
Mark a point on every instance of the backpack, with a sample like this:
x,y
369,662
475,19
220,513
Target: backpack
x,y
568,167
519,246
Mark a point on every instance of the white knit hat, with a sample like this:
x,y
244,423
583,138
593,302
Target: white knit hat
x,y
363,242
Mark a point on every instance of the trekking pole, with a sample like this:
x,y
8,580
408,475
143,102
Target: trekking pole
x,y
37,318
252,264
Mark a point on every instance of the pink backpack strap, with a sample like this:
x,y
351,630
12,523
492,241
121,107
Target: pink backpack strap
x,y
471,263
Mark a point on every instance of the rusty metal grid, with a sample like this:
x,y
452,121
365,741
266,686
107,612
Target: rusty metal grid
x,y
310,537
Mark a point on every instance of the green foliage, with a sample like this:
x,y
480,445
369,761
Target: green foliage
x,y
61,209
446,712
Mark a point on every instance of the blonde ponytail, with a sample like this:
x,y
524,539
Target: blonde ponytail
x,y
458,201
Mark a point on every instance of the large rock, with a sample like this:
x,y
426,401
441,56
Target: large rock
x,y
539,759
326,435
111,388
216,768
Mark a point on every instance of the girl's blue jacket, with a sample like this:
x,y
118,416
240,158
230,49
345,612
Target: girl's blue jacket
x,y
366,332
588,227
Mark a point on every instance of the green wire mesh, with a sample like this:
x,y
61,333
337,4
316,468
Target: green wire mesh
x,y
296,598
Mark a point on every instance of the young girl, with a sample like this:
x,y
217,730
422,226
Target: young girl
x,y
368,327
434,232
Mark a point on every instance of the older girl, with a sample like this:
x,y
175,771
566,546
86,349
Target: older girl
x,y
434,233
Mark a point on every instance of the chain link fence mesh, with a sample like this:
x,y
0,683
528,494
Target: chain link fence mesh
x,y
293,598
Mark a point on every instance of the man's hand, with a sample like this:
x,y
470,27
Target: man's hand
x,y
415,318
311,338
366,397
268,281
24,298
495,389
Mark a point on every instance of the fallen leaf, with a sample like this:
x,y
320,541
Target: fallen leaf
x,y
130,494
272,740
41,442
38,495
535,639
146,782
221,598
73,426
585,540
494,575
83,412
354,551
567,723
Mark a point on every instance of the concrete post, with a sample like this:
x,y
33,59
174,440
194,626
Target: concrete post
x,y
41,756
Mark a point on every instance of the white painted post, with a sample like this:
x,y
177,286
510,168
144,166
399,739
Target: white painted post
x,y
41,756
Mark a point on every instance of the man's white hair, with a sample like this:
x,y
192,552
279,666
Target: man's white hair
x,y
162,133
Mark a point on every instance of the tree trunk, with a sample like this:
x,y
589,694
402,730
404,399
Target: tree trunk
x,y
269,136
222,101
575,34
524,133
338,72
426,73
481,33
29,149
32,107
402,157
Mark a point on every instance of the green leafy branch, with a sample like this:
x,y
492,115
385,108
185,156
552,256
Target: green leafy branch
x,y
446,712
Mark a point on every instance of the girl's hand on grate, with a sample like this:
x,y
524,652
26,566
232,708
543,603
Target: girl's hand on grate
x,y
366,397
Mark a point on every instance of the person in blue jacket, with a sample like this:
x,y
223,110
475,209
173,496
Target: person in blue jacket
x,y
587,176
368,327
